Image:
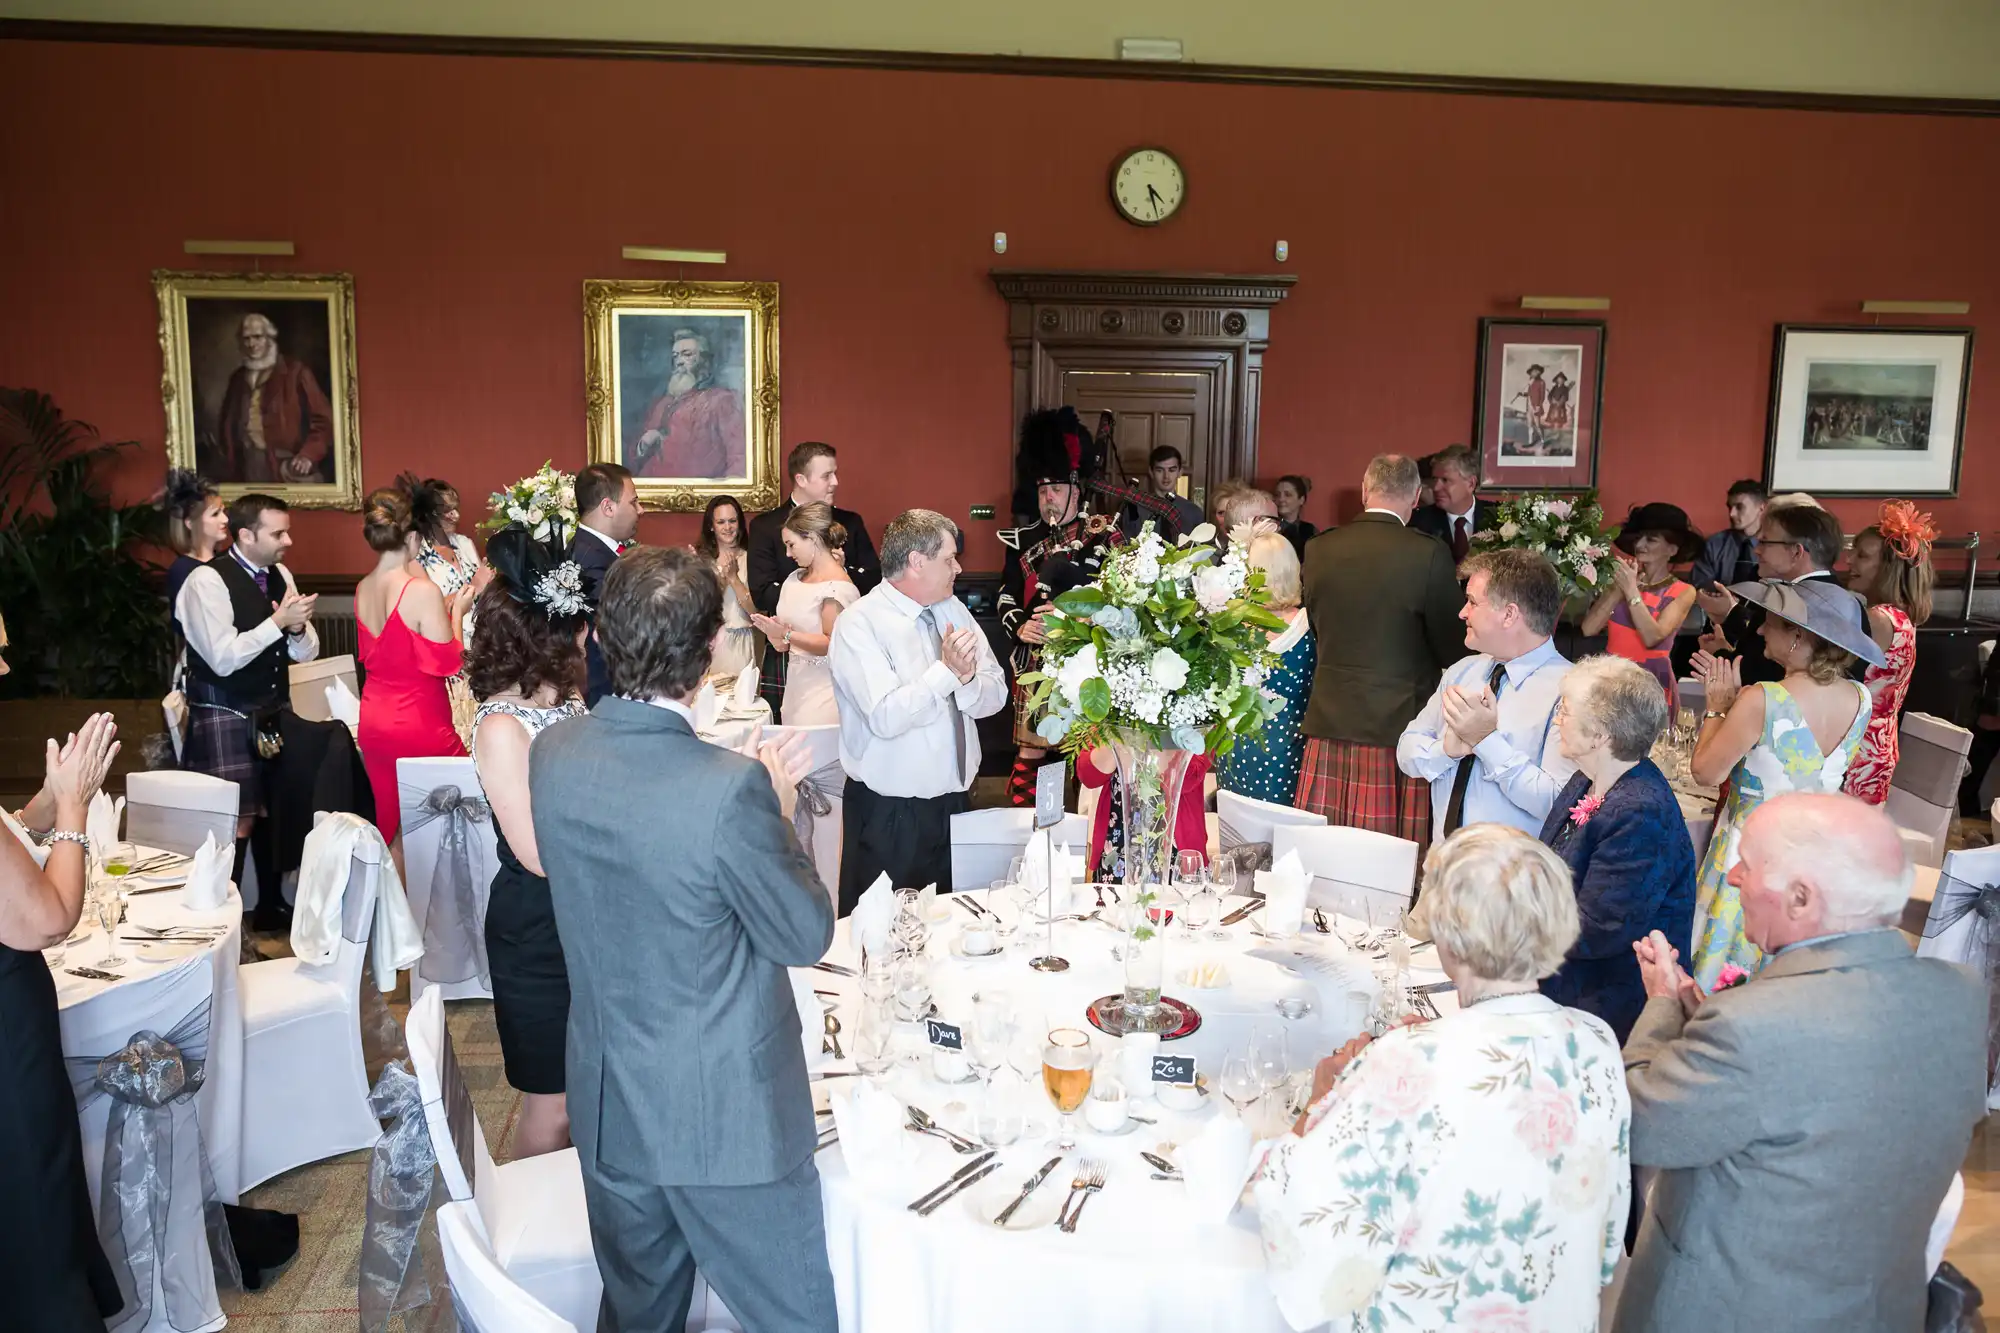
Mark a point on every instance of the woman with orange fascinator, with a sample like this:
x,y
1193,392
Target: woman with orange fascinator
x,y
1890,566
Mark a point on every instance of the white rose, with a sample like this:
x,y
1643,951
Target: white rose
x,y
1075,669
1212,590
518,514
535,515
1168,669
1509,530
1202,534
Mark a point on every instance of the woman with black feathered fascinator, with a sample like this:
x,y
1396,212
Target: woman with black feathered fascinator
x,y
197,527
527,671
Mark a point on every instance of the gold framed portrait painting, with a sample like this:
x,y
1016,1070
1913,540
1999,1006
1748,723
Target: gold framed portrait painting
x,y
681,386
259,383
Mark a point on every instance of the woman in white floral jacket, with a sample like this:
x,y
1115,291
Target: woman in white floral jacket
x,y
1472,1172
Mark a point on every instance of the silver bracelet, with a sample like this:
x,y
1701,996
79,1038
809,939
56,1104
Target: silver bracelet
x,y
70,835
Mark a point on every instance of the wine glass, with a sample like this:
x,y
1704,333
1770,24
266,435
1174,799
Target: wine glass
x,y
874,1033
1198,910
1222,877
1016,868
1270,1057
998,1121
1241,1084
1067,1063
1212,898
1190,873
913,990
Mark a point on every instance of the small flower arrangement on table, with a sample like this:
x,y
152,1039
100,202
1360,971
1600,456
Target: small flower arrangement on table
x,y
544,502
1567,529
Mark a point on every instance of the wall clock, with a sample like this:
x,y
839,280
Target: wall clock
x,y
1147,186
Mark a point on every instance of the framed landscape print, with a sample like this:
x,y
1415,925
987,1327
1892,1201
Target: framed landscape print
x,y
1539,392
1867,411
259,383
681,386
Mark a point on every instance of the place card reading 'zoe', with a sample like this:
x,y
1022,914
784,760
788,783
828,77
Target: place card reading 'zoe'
x,y
947,1036
1173,1069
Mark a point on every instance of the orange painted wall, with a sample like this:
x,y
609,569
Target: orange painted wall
x,y
470,197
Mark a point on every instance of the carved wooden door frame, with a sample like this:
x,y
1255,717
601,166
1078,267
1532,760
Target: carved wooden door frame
x,y
1212,323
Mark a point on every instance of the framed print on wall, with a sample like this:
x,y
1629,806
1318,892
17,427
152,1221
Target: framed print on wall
x,y
681,386
1867,411
259,383
1538,396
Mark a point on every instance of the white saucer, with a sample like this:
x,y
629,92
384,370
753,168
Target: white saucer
x,y
986,1200
958,951
1119,1133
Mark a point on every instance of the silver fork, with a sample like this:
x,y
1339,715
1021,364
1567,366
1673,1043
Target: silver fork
x,y
1089,1180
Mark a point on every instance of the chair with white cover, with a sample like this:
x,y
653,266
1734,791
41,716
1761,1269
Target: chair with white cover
x,y
822,799
1923,791
985,842
174,810
1355,872
310,679
305,1079
529,1214
1243,821
485,1299
448,830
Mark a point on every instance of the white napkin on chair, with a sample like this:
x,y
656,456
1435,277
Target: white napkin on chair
x,y
1216,1164
208,878
341,703
101,822
1284,890
707,707
873,1140
873,916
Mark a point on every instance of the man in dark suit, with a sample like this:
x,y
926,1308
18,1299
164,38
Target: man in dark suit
x,y
681,905
1797,541
1383,600
1455,511
815,472
607,506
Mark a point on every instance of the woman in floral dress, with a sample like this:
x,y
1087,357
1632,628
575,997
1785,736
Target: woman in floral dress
x,y
1472,1172
1890,565
1267,769
1795,734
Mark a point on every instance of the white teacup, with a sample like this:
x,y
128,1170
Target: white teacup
x,y
977,939
1135,1062
950,1066
1105,1110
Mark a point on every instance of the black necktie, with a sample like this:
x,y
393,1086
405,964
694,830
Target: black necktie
x,y
1454,813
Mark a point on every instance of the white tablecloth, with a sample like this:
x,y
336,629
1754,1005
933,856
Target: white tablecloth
x,y
1139,1259
732,729
100,1017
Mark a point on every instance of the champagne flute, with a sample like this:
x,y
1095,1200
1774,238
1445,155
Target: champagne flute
x,y
872,1038
108,909
1067,1062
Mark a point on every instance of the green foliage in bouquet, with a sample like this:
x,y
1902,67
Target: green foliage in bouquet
x,y
1568,529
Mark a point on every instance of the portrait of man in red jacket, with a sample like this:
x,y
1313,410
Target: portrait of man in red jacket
x,y
694,427
275,424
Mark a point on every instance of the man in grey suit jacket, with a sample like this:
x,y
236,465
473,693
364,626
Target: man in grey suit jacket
x,y
1807,1122
682,896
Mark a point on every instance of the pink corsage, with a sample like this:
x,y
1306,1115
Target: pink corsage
x,y
1580,813
1731,975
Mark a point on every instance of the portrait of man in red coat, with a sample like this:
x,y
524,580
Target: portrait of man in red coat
x,y
276,424
695,427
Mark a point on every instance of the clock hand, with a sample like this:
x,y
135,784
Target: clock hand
x,y
1154,195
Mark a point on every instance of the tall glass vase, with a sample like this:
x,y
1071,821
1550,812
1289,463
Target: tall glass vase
x,y
1149,792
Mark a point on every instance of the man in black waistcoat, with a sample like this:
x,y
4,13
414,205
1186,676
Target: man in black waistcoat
x,y
814,469
607,507
246,624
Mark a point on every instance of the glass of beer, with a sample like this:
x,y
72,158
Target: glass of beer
x,y
1067,1061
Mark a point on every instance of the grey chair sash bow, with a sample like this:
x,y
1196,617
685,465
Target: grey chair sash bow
x,y
455,916
151,1082
1956,900
402,1174
818,790
1248,856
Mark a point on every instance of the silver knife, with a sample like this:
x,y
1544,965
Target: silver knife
x,y
957,1187
956,1176
1027,1189
1242,912
837,969
1433,988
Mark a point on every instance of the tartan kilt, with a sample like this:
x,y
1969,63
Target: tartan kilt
x,y
1359,786
1024,722
219,743
771,680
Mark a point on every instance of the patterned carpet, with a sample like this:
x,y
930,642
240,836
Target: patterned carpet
x,y
316,1292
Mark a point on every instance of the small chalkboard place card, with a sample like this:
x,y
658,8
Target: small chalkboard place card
x,y
948,1036
1173,1069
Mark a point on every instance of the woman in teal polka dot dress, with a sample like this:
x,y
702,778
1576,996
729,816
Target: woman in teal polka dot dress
x,y
1268,769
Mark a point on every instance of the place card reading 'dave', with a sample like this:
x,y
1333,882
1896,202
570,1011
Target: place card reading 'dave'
x,y
947,1036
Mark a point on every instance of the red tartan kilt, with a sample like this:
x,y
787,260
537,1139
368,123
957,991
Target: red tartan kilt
x,y
1359,786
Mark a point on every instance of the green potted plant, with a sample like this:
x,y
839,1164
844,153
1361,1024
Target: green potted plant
x,y
87,626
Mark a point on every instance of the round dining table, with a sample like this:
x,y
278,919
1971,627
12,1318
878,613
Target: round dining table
x,y
1143,1256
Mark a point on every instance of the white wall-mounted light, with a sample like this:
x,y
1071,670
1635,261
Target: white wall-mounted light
x,y
237,248
1916,307
999,242
1565,303
658,255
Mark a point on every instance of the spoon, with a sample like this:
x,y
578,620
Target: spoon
x,y
833,1035
921,1119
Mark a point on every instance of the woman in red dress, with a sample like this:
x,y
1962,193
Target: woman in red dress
x,y
1889,565
410,645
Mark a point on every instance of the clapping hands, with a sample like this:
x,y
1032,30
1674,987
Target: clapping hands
x,y
959,650
1470,716
1660,970
1722,677
787,761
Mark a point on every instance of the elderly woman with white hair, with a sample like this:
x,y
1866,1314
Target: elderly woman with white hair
x,y
1469,1172
1618,826
1267,769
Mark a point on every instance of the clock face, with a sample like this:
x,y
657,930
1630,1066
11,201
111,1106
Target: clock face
x,y
1147,186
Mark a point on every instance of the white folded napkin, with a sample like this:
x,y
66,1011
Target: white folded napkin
x,y
208,878
873,1140
1216,1163
707,707
927,902
873,916
1284,890
1036,862
812,1017
743,695
101,821
341,703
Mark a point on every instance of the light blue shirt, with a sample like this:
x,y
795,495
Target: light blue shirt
x,y
1519,770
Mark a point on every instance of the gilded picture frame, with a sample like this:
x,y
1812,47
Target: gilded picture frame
x,y
681,386
259,383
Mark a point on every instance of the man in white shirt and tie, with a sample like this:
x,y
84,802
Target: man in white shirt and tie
x,y
1455,511
911,674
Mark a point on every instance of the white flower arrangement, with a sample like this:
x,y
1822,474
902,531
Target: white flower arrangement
x,y
1168,647
544,502
1569,530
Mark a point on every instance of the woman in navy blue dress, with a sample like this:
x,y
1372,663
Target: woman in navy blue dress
x,y
1268,769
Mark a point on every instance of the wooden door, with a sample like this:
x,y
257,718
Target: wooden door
x,y
1152,408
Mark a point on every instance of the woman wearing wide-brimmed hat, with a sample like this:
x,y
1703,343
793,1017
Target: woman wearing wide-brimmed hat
x,y
1795,734
1645,605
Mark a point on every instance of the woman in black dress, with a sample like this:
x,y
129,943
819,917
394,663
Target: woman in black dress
x,y
53,1275
1290,493
525,664
197,528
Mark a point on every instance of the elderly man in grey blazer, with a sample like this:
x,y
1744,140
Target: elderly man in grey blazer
x,y
1807,1122
682,895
